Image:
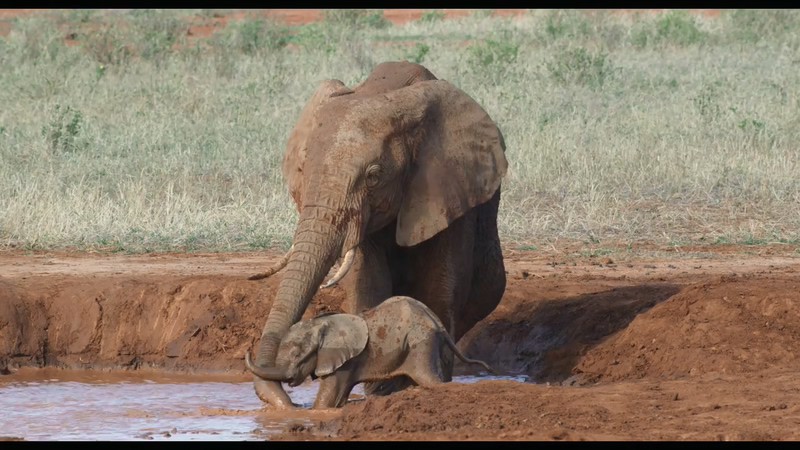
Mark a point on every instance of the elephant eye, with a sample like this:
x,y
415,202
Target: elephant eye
x,y
373,175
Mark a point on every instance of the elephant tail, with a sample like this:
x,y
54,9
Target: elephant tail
x,y
461,356
440,327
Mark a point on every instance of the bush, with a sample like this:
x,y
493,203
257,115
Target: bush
x,y
579,66
156,32
106,45
431,16
313,36
417,54
752,25
565,24
493,52
253,35
36,38
355,18
63,129
675,28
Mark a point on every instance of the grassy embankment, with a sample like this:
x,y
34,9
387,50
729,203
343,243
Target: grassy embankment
x,y
667,128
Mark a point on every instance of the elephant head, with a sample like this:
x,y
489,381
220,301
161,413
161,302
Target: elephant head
x,y
315,348
402,147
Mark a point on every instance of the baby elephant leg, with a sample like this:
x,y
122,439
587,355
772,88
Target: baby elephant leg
x,y
387,387
333,392
427,378
425,365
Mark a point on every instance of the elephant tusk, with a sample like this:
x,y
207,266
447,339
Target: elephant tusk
x,y
266,373
276,268
347,263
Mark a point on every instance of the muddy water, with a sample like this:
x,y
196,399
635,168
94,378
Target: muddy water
x,y
104,406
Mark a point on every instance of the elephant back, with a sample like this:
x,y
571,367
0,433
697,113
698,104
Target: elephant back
x,y
393,75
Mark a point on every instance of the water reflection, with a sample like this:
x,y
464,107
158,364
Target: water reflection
x,y
147,409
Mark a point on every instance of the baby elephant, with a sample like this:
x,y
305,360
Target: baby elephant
x,y
400,336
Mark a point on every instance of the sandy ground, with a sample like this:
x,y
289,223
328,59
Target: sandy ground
x,y
671,343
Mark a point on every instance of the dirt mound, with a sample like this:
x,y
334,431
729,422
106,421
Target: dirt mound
x,y
545,337
705,408
419,410
731,325
445,412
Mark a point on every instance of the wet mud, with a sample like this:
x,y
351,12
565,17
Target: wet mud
x,y
700,344
48,404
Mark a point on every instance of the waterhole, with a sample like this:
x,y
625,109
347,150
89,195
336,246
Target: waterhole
x,y
105,406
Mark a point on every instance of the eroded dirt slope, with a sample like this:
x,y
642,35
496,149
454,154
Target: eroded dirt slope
x,y
199,312
762,407
696,345
186,314
734,324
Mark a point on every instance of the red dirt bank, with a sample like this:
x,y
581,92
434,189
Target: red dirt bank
x,y
618,339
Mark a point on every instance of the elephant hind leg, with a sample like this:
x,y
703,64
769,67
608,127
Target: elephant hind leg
x,y
387,387
430,372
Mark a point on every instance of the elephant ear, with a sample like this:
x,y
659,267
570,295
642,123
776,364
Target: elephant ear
x,y
344,337
459,157
296,147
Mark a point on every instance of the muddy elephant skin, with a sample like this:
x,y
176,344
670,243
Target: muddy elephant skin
x,y
400,178
399,337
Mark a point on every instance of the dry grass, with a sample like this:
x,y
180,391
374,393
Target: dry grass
x,y
668,128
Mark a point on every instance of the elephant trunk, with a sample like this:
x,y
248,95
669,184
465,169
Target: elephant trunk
x,y
267,373
317,244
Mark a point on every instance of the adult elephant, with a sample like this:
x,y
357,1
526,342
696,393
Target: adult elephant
x,y
400,176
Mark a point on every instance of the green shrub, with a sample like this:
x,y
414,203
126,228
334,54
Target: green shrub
x,y
493,52
565,24
753,25
253,35
35,38
482,13
432,16
417,54
156,32
673,28
313,36
63,129
579,66
706,102
355,18
80,15
107,45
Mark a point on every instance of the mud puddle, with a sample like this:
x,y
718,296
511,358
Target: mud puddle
x,y
99,406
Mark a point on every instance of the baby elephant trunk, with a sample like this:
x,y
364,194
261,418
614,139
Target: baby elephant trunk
x,y
266,373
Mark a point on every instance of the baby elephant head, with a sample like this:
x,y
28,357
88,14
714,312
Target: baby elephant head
x,y
315,348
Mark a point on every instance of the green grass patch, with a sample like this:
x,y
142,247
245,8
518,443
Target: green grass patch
x,y
667,128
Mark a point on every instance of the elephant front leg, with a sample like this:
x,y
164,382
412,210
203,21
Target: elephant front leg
x,y
334,391
368,283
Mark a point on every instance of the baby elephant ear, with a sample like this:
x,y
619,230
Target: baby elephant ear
x,y
344,337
